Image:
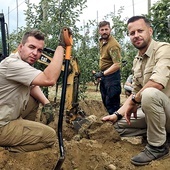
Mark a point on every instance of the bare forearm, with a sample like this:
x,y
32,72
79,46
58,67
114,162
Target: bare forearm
x,y
148,84
52,72
54,68
123,108
112,69
37,93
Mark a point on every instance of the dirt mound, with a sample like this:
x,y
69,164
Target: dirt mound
x,y
96,146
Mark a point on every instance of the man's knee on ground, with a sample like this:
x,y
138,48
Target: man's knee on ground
x,y
51,138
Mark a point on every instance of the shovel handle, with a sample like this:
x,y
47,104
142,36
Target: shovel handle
x,y
69,42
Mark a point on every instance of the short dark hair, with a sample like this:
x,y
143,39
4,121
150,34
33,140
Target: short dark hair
x,y
33,33
104,23
135,18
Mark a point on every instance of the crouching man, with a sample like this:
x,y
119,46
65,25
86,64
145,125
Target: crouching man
x,y
20,95
149,102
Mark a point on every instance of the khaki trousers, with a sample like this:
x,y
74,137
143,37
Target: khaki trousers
x,y
26,135
153,118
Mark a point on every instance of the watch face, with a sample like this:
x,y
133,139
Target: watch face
x,y
133,97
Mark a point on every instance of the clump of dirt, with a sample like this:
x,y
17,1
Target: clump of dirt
x,y
96,146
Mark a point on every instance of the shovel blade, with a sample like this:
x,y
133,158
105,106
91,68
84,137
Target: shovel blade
x,y
59,163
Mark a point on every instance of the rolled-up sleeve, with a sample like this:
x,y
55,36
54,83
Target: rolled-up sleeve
x,y
161,71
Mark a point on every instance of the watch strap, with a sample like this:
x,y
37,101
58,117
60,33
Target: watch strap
x,y
119,116
134,101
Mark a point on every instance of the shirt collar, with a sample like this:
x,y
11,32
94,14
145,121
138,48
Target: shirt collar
x,y
148,52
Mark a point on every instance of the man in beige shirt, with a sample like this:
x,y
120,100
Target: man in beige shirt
x,y
20,94
150,100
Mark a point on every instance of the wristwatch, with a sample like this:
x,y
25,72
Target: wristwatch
x,y
119,116
133,99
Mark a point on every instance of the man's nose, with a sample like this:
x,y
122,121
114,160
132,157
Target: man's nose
x,y
136,34
104,31
35,51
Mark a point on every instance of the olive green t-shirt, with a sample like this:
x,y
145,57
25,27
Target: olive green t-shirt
x,y
109,53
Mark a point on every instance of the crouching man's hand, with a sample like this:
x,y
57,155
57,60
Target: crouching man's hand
x,y
47,115
112,118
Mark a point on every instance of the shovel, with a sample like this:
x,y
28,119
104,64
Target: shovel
x,y
68,41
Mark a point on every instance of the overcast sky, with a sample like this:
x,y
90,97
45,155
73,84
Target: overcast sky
x,y
96,9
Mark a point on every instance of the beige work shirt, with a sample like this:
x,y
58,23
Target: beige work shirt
x,y
109,53
153,65
15,80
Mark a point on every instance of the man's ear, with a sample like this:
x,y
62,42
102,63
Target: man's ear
x,y
150,30
19,47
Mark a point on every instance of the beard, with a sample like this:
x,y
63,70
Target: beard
x,y
105,36
141,46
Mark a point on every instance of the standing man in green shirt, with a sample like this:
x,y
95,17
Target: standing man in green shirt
x,y
109,65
